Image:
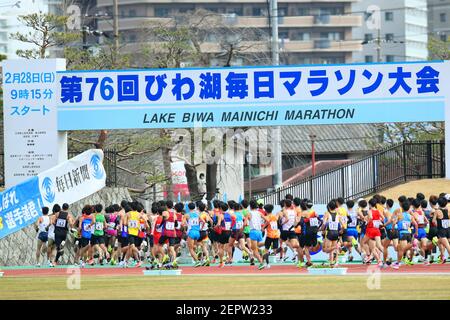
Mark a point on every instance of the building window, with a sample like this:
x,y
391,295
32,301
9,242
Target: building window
x,y
389,58
161,12
333,36
443,37
256,12
389,16
368,37
389,37
443,17
368,59
132,13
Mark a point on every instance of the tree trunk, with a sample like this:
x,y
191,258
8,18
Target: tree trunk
x,y
191,176
103,135
211,180
166,165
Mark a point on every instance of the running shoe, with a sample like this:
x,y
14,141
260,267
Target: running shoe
x,y
409,262
138,264
354,242
300,264
197,264
82,265
165,259
63,243
435,241
175,264
245,255
252,261
309,264
113,262
395,265
50,264
206,263
261,266
426,263
267,266
221,265
350,258
38,265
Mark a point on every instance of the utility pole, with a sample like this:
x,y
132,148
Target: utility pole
x,y
379,44
313,153
116,25
277,181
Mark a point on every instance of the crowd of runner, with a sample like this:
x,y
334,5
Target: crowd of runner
x,y
127,235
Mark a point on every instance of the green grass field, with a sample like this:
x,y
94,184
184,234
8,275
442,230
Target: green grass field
x,y
227,287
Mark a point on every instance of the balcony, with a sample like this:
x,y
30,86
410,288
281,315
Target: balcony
x,y
320,45
103,3
248,22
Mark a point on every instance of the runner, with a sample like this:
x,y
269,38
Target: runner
x,y
422,223
350,237
122,237
132,221
226,222
255,221
113,221
192,220
374,220
271,243
42,234
390,223
169,235
332,225
98,236
404,222
311,224
85,229
205,223
442,221
289,219
237,233
62,221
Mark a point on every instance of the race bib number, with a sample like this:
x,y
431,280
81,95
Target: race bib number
x,y
195,222
445,223
376,223
227,225
87,227
405,225
239,224
132,224
274,225
314,222
421,219
353,223
111,225
332,225
178,227
61,223
170,225
99,226
159,229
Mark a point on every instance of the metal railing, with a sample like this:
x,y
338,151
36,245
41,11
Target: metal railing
x,y
374,173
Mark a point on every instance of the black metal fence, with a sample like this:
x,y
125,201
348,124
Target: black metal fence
x,y
362,177
109,162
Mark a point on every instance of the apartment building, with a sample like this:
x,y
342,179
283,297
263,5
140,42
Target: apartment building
x,y
403,32
439,19
314,31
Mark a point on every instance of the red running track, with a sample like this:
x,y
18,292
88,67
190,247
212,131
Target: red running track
x,y
439,269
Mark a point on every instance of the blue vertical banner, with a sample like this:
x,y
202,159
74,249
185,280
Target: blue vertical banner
x,y
20,206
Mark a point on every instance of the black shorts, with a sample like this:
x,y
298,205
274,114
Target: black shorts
x,y
288,235
237,235
212,235
246,235
172,240
405,237
443,233
132,239
392,234
138,241
301,239
432,233
178,239
332,235
150,240
310,239
123,241
344,236
97,240
203,235
84,242
224,237
270,242
383,233
59,238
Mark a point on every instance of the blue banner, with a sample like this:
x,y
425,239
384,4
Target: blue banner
x,y
20,206
252,96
